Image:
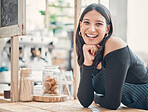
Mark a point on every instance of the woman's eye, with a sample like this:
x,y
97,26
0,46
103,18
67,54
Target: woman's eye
x,y
98,24
86,22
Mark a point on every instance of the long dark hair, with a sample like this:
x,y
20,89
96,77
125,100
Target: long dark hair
x,y
79,40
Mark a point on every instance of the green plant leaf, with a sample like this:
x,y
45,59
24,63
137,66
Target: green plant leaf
x,y
42,12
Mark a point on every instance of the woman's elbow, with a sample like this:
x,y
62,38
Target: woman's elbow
x,y
85,105
85,102
112,106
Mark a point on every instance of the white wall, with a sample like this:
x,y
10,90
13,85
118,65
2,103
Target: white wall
x,y
137,32
33,17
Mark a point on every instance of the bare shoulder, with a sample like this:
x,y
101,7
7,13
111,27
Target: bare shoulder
x,y
113,44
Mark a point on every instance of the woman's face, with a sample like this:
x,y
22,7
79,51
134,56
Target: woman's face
x,y
93,27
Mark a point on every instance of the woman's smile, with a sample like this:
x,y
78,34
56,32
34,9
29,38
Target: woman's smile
x,y
91,36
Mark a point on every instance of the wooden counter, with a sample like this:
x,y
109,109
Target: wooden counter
x,y
67,106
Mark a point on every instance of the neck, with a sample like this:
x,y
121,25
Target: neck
x,y
104,41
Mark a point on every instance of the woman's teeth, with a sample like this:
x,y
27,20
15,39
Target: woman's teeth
x,y
91,36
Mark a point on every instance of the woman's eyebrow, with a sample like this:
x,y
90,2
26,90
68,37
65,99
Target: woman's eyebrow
x,y
86,19
99,21
96,20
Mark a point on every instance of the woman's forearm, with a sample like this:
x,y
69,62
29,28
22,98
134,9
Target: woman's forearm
x,y
85,91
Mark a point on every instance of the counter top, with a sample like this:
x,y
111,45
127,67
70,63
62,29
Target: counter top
x,y
66,106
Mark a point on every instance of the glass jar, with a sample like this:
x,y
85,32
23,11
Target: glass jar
x,y
26,84
51,80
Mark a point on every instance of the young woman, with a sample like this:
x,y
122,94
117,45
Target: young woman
x,y
108,67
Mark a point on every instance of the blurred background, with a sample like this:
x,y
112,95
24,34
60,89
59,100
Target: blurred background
x,y
49,34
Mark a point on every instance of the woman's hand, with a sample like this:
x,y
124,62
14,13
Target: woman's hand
x,y
89,53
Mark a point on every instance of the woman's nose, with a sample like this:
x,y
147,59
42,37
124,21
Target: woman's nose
x,y
92,28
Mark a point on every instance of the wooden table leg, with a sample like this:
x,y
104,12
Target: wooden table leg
x,y
14,68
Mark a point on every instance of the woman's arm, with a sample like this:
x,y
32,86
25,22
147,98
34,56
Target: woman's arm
x,y
116,64
116,67
85,91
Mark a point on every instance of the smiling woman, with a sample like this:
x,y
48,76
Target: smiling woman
x,y
107,65
93,27
96,21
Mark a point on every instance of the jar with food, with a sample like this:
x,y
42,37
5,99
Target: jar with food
x,y
51,80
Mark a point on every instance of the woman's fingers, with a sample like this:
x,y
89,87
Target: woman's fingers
x,y
89,53
98,46
91,48
94,48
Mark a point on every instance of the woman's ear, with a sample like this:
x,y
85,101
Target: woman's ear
x,y
80,25
108,29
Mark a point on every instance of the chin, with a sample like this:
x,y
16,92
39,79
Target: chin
x,y
92,43
95,42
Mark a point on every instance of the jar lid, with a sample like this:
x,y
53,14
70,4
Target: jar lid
x,y
51,67
25,70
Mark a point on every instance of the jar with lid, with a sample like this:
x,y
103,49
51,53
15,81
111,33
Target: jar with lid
x,y
51,80
26,84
